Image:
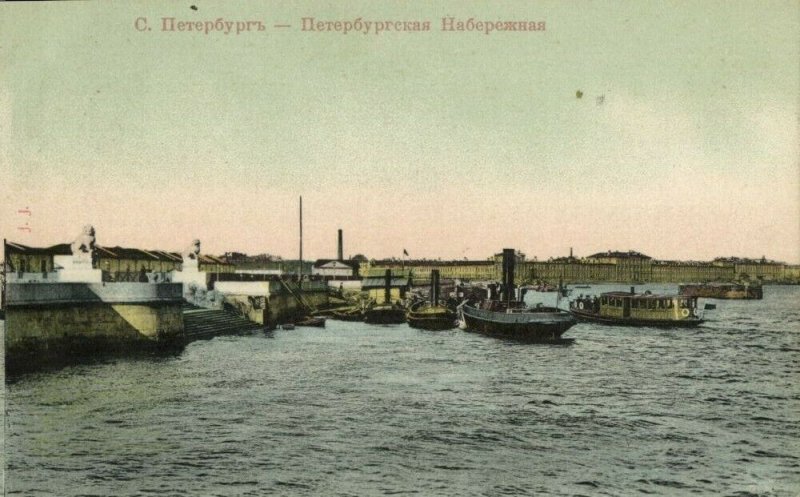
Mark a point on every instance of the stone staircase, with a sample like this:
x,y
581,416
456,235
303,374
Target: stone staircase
x,y
200,323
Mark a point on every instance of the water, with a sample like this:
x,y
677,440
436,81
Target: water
x,y
362,410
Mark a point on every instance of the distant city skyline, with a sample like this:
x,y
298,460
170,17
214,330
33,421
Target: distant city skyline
x,y
669,130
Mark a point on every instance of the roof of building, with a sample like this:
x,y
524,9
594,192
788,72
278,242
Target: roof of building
x,y
746,260
631,254
351,263
111,253
425,262
18,248
568,258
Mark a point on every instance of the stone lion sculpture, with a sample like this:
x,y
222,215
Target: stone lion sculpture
x,y
84,245
192,251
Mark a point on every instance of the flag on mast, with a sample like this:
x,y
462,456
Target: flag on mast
x,y
405,252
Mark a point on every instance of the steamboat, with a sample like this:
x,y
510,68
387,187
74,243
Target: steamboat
x,y
511,318
643,309
431,315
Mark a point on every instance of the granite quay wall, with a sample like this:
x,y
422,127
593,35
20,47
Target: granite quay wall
x,y
51,322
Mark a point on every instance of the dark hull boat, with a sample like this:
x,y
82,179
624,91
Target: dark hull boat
x,y
540,325
315,321
510,318
385,314
432,318
348,314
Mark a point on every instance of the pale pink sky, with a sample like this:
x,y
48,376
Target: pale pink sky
x,y
446,145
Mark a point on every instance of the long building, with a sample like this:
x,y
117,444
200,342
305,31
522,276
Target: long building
x,y
611,266
118,264
125,264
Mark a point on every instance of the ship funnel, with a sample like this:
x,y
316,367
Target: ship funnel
x,y
435,287
387,289
508,274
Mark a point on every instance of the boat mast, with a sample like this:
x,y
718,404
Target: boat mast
x,y
4,276
300,268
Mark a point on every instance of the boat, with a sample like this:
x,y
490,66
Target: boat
x,y
740,291
385,314
536,324
352,313
544,287
430,315
511,318
384,311
315,321
638,309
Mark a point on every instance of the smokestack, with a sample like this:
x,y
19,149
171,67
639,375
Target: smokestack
x,y
570,252
387,289
341,247
435,287
508,273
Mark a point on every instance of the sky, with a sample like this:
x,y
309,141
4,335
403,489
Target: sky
x,y
670,128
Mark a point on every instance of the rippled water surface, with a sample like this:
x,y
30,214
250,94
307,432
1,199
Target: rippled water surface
x,y
355,409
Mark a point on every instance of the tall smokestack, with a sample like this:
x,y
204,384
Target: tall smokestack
x,y
341,247
435,287
508,273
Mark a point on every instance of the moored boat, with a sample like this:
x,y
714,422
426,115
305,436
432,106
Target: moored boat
x,y
385,314
512,319
316,321
382,310
348,314
431,315
537,324
638,309
740,291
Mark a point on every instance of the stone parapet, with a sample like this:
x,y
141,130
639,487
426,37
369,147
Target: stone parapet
x,y
44,294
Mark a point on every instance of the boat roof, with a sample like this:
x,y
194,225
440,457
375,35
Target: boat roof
x,y
642,295
720,284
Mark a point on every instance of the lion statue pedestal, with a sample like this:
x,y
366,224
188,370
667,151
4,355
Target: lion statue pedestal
x,y
190,275
79,267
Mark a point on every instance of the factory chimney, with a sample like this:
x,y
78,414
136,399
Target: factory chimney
x,y
341,247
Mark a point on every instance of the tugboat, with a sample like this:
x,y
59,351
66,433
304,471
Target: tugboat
x,y
432,316
385,312
512,319
638,309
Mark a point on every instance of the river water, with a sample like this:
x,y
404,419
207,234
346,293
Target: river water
x,y
358,410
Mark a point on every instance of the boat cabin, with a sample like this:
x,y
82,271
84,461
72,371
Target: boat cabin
x,y
646,306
